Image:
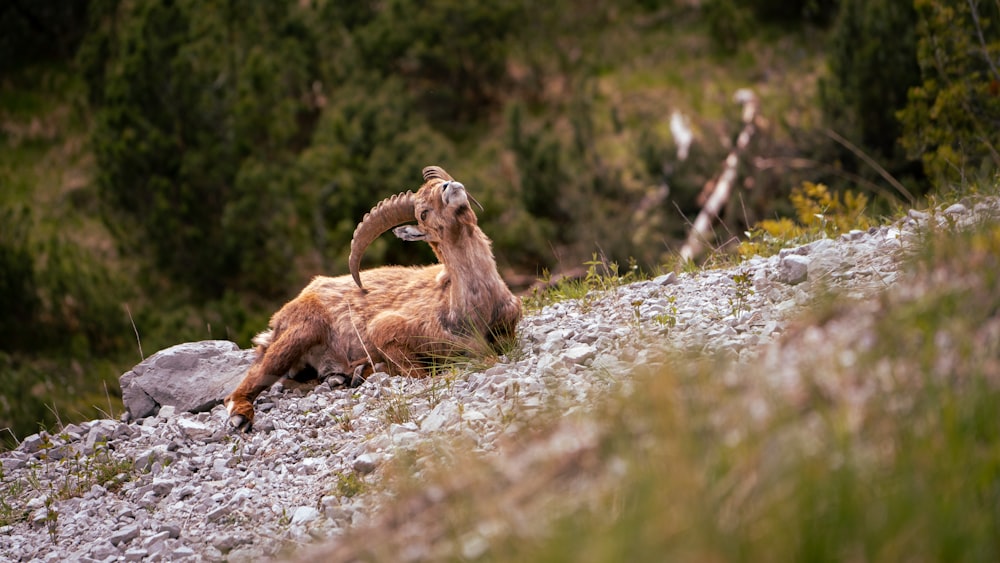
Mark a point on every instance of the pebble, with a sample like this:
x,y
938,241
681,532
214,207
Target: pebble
x,y
196,489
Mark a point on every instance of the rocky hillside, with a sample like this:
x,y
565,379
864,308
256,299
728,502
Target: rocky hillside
x,y
176,486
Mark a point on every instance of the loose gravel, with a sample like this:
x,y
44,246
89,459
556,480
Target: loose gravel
x,y
179,487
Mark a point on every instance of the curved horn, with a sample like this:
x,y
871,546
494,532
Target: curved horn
x,y
387,214
436,172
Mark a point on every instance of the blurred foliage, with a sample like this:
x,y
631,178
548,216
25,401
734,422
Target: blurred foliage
x,y
816,207
61,322
819,12
880,443
452,55
952,120
235,144
200,108
36,31
872,64
18,299
56,296
819,213
369,143
730,23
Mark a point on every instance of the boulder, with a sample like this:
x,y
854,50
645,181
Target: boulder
x,y
192,377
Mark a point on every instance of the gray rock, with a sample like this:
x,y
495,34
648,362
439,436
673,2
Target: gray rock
x,y
159,537
103,550
192,377
124,535
181,553
956,209
12,464
162,487
818,246
33,443
440,416
669,278
100,432
135,554
304,514
579,354
826,263
226,542
195,430
172,529
793,269
218,513
364,464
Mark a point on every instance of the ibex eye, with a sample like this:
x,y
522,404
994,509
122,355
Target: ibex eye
x,y
423,215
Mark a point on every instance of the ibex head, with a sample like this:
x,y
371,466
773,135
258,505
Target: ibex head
x,y
440,207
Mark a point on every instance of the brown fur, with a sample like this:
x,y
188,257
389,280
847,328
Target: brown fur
x,y
402,318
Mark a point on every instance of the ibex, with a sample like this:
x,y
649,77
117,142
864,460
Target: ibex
x,y
400,318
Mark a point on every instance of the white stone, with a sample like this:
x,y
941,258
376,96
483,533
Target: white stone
x,y
793,269
304,514
195,430
579,354
364,464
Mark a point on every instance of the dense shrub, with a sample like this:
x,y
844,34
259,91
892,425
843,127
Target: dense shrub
x,y
730,23
224,128
952,118
369,143
38,30
452,53
18,299
200,109
813,11
872,63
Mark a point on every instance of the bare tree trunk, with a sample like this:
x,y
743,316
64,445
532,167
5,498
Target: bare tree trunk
x,y
702,228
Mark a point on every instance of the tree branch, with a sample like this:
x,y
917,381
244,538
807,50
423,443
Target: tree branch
x,y
974,12
702,228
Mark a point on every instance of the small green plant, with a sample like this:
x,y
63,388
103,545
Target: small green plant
x,y
637,311
10,492
818,213
397,408
99,468
668,319
512,395
601,275
344,422
437,389
51,519
8,514
80,474
476,353
739,301
350,484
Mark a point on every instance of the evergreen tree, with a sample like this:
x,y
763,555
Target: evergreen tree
x,y
872,64
952,120
201,108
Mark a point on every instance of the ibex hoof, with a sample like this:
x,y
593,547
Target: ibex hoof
x,y
359,376
240,423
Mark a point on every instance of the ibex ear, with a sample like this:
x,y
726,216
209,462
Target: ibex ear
x,y
410,233
431,172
